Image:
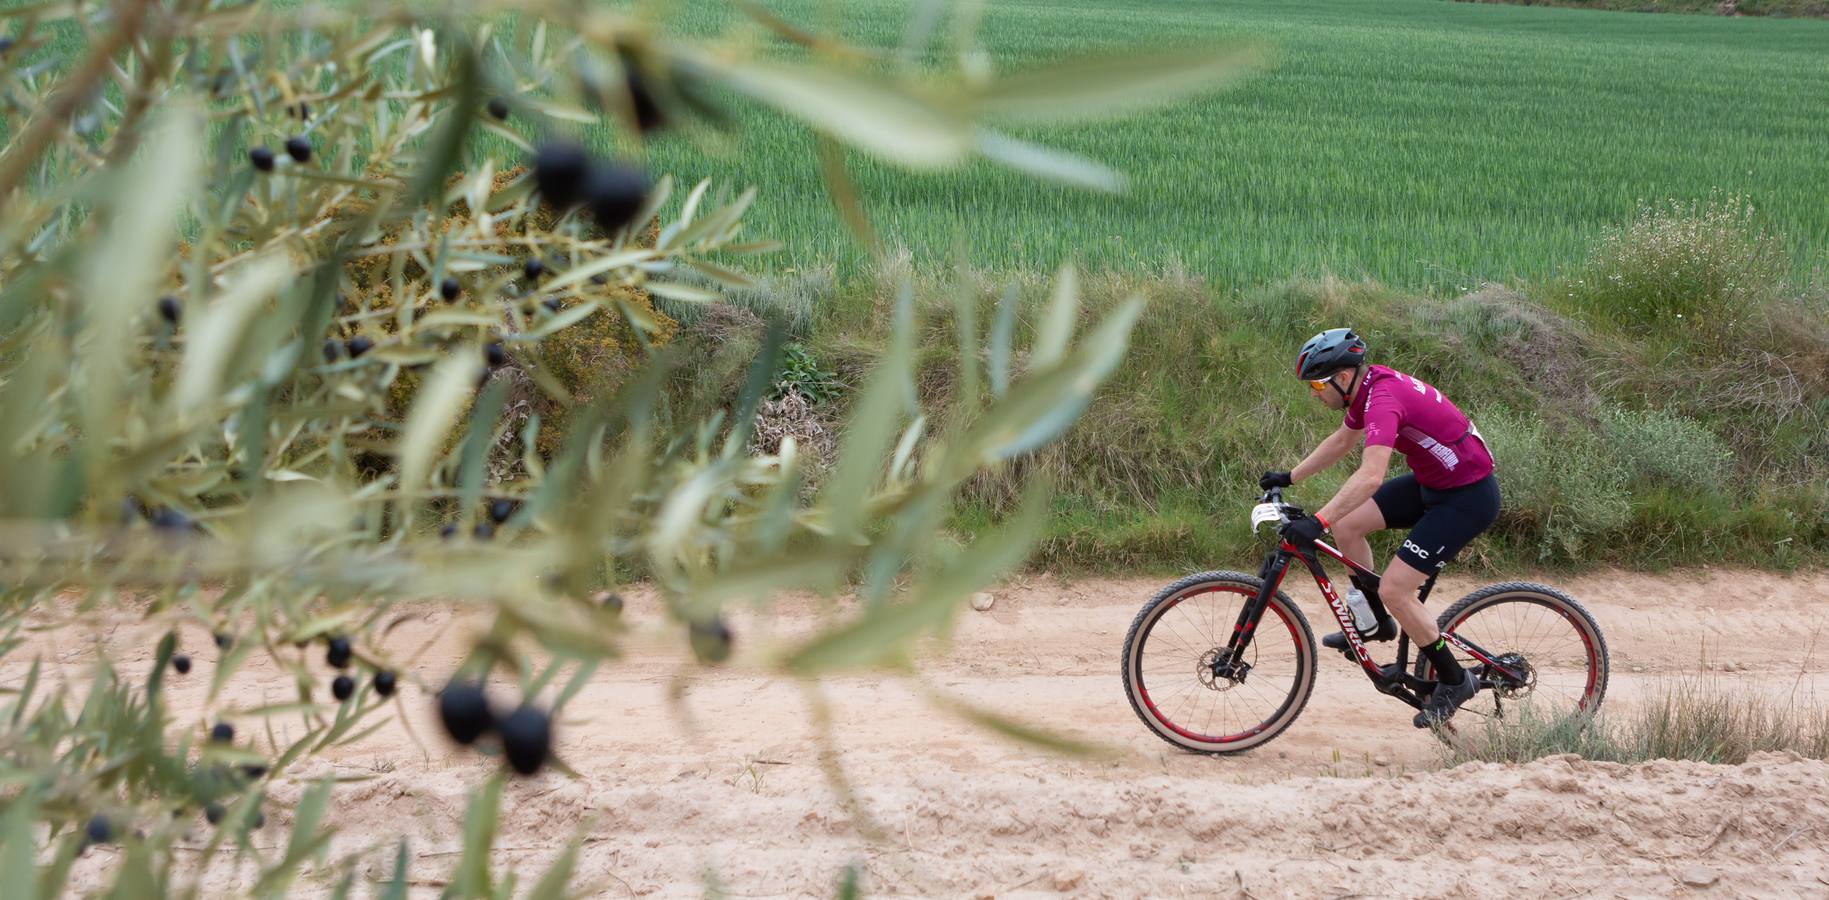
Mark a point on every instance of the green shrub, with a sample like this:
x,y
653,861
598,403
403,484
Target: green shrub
x,y
801,374
1559,487
1658,446
1691,268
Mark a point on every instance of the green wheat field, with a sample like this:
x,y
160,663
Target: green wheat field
x,y
1422,143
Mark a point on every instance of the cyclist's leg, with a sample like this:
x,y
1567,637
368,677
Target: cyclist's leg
x,y
1398,503
1450,520
1349,533
1398,587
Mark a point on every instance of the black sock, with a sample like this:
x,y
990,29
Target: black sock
x,y
1447,669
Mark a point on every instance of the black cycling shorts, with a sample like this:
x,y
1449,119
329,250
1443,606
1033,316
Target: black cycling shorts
x,y
1440,522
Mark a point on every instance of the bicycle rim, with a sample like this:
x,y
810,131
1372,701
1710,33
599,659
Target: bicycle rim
x,y
1168,668
1543,636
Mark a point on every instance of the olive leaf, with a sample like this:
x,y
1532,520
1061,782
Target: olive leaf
x,y
217,333
433,414
1045,404
881,118
882,634
141,233
1089,88
1044,162
479,836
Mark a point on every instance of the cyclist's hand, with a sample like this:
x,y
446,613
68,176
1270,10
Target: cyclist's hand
x,y
1275,480
1302,532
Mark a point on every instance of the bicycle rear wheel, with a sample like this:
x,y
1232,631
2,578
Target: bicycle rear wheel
x,y
1188,693
1552,647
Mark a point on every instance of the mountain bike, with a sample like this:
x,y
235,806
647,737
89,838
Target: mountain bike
x,y
1534,652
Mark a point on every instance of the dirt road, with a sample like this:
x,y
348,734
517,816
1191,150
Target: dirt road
x,y
726,787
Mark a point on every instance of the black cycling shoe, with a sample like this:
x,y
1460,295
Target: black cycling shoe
x,y
1386,630
1444,700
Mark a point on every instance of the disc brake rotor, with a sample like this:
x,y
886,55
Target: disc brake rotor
x,y
1218,671
1519,683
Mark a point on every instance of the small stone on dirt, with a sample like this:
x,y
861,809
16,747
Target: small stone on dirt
x,y
982,601
1699,876
1381,760
1638,668
1067,881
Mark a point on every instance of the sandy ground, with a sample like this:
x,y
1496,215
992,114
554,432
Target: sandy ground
x,y
726,786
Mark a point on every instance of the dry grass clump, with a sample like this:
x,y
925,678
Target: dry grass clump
x,y
1550,352
812,426
1697,719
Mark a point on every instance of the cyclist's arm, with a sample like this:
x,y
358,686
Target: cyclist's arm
x,y
1333,448
1361,485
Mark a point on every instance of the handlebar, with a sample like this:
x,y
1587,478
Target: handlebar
x,y
1278,511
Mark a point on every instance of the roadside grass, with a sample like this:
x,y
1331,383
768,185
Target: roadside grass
x,y
1697,719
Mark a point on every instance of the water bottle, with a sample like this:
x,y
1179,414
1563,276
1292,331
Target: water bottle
x,y
1363,617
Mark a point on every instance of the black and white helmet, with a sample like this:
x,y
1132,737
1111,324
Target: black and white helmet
x,y
1329,352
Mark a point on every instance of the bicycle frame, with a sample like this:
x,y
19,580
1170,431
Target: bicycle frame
x,y
1401,685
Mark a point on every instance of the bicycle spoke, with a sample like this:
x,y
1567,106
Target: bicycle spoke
x,y
1548,648
1177,673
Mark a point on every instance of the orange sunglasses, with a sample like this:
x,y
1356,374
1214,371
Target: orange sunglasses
x,y
1318,386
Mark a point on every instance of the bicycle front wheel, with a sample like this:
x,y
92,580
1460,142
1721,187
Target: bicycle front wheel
x,y
1184,687
1552,651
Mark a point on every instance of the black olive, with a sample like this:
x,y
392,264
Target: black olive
x,y
559,171
710,641
298,148
465,711
615,193
611,601
337,655
500,509
526,739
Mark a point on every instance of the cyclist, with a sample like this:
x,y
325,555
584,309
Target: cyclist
x,y
1449,496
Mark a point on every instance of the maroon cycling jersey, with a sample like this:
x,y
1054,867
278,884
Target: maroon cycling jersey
x,y
1400,411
